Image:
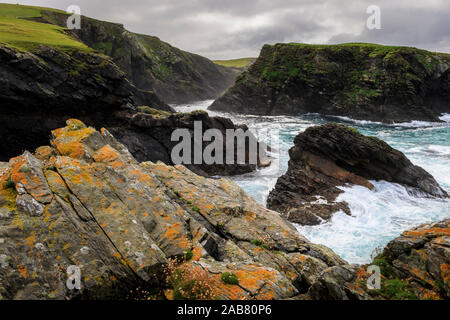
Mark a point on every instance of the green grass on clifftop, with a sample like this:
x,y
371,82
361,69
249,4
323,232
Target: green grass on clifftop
x,y
235,63
19,31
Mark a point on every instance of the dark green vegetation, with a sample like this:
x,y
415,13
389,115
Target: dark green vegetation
x,y
363,81
230,278
392,287
189,255
9,184
101,73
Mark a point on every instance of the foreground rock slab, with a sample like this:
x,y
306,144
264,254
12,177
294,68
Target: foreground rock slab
x,y
327,157
86,203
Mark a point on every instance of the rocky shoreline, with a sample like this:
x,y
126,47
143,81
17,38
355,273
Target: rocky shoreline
x,y
327,157
86,202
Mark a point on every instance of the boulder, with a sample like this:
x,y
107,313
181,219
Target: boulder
x,y
327,157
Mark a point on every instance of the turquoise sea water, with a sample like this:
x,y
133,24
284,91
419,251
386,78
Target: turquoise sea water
x,y
377,216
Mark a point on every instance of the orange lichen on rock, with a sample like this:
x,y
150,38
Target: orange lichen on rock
x,y
109,156
68,140
431,232
44,153
26,173
174,233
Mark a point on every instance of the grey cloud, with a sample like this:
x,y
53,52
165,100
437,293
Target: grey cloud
x,y
236,28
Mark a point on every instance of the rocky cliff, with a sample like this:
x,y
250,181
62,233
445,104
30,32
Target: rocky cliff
x,y
86,202
327,157
47,77
174,75
361,81
42,89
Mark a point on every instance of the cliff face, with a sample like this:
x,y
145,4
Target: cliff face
x,y
174,75
361,81
47,77
329,156
40,90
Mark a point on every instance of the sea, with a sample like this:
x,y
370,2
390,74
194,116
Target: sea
x,y
377,216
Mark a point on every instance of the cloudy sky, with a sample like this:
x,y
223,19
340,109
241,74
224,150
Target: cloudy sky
x,y
239,28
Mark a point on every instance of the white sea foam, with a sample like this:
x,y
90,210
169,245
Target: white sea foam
x,y
445,117
377,216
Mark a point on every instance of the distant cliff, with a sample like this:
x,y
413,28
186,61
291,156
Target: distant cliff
x,y
361,81
175,75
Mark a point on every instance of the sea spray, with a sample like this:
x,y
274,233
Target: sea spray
x,y
377,216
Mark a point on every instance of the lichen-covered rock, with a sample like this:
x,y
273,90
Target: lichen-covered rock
x,y
329,156
413,266
361,81
84,203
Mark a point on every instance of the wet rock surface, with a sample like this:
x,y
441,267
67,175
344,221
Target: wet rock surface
x,y
327,157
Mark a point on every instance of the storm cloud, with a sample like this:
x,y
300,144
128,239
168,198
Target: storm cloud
x,y
239,28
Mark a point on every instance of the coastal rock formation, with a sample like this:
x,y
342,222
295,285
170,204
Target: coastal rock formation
x,y
44,88
327,157
148,136
49,74
174,75
361,81
40,90
84,207
413,266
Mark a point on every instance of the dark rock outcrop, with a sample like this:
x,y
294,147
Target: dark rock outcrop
x,y
85,202
333,155
39,91
361,81
148,136
176,76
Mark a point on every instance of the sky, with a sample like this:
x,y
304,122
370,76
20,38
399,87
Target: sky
x,y
239,28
